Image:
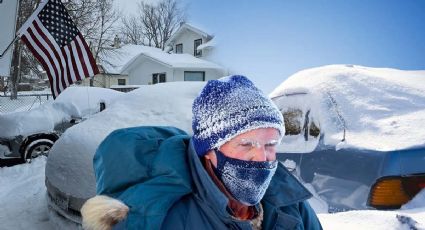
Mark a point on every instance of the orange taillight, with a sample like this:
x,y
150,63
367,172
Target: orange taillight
x,y
388,193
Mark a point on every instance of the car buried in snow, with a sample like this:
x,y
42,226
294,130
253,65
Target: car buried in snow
x,y
69,172
28,134
353,133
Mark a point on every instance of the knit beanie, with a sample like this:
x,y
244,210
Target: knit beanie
x,y
228,107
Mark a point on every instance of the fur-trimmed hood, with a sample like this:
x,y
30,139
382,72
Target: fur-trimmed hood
x,y
102,213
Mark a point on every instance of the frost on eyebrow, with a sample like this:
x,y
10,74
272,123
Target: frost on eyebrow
x,y
255,143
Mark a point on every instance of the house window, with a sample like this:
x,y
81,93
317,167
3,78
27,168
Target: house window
x,y
158,78
121,81
179,48
194,75
197,52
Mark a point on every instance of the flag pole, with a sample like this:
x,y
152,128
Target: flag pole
x,y
16,36
8,47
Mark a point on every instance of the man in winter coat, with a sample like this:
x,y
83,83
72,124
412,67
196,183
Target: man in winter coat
x,y
225,176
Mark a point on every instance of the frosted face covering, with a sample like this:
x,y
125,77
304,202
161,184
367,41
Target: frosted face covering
x,y
247,181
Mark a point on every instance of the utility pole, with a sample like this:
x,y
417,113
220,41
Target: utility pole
x,y
16,58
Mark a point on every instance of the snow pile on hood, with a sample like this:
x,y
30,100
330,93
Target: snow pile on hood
x,y
70,168
76,102
381,109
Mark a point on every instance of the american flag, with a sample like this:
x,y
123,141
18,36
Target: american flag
x,y
58,45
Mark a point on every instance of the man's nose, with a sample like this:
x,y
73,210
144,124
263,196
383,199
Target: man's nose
x,y
260,154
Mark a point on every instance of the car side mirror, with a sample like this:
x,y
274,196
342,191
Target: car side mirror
x,y
102,106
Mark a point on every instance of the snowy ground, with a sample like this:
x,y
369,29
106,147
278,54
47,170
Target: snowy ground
x,y
23,202
23,196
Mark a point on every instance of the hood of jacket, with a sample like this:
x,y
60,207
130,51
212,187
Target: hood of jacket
x,y
146,168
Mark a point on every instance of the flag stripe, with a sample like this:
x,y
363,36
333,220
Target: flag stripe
x,y
61,59
68,74
56,65
74,53
80,55
38,54
44,37
90,57
70,64
34,34
45,56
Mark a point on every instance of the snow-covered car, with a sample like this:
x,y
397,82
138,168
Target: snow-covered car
x,y
28,134
355,134
70,178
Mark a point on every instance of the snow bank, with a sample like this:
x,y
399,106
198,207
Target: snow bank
x,y
376,220
383,105
72,102
23,196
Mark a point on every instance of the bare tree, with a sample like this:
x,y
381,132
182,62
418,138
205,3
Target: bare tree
x,y
154,24
96,20
170,16
131,30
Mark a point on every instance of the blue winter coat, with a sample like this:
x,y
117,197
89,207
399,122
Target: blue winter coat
x,y
156,172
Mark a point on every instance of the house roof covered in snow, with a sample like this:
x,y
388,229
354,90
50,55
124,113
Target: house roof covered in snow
x,y
186,26
118,61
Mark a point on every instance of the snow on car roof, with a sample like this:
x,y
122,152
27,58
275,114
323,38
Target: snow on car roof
x,y
164,104
381,109
72,102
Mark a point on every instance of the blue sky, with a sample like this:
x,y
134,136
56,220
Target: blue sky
x,y
270,40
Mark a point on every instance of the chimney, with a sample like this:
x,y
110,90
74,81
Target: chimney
x,y
117,41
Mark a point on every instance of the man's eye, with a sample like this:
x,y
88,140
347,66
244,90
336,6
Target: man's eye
x,y
246,144
273,144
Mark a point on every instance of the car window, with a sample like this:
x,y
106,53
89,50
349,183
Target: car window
x,y
302,129
314,130
292,118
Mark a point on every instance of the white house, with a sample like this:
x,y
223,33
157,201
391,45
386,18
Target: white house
x,y
191,40
132,65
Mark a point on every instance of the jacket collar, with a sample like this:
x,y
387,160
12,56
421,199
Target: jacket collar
x,y
283,190
204,188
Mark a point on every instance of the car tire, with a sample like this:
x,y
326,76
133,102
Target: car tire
x,y
38,148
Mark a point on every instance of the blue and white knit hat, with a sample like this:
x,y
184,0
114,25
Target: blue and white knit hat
x,y
228,107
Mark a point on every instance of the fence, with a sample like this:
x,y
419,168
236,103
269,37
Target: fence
x,y
24,102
